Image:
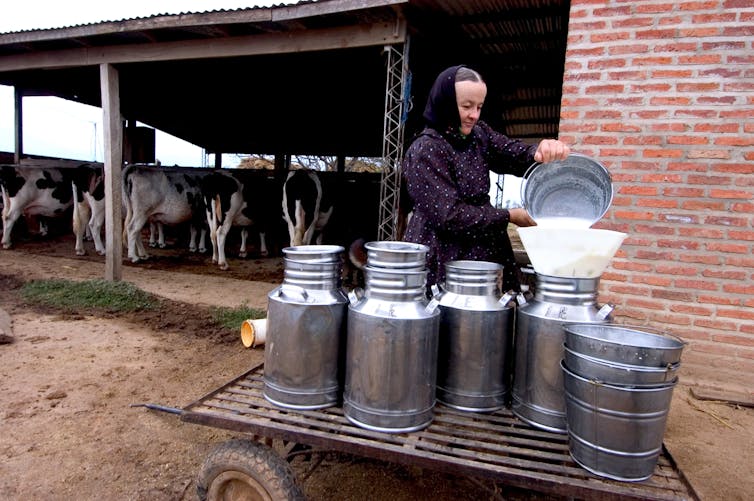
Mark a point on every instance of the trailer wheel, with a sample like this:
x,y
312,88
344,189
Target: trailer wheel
x,y
246,470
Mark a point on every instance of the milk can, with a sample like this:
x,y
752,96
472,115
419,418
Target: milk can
x,y
306,330
391,354
538,388
476,336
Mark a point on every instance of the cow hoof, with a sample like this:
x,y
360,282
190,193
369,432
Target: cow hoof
x,y
162,246
153,244
242,255
192,249
264,254
224,267
6,246
202,250
80,253
101,253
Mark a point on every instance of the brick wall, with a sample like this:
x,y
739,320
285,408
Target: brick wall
x,y
662,93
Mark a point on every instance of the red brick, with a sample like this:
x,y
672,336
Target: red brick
x,y
697,87
701,59
691,309
724,300
698,32
701,285
709,180
727,221
708,259
646,305
678,244
702,232
724,274
663,153
668,101
741,235
736,313
686,166
734,141
651,280
677,218
721,154
672,73
703,205
683,192
687,140
637,190
639,216
604,89
653,61
739,289
643,140
718,128
716,324
744,262
610,36
744,195
727,247
659,203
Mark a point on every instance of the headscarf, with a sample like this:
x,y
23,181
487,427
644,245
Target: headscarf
x,y
441,112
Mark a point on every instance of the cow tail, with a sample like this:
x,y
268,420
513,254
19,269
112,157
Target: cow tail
x,y
126,189
78,225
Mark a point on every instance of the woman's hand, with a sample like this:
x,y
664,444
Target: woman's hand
x,y
550,150
520,217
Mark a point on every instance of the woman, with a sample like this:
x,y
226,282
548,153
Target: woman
x,y
446,170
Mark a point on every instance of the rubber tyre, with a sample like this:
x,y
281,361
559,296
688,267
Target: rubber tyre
x,y
241,470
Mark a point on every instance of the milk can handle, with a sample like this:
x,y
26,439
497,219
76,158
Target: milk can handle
x,y
293,290
355,295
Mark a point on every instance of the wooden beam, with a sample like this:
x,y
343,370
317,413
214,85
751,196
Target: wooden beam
x,y
113,125
268,43
18,128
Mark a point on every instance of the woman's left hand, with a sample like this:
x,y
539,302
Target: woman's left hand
x,y
520,217
550,150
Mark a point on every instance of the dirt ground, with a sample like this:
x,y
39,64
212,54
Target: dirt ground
x,y
68,383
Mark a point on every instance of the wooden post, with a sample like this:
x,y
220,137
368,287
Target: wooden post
x,y
18,138
113,125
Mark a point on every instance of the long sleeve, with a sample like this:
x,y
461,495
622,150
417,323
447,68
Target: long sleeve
x,y
432,184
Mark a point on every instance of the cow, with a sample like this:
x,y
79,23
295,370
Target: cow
x,y
165,196
237,198
306,209
33,192
88,207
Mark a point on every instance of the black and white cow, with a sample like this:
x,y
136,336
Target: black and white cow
x,y
306,208
237,198
33,192
162,195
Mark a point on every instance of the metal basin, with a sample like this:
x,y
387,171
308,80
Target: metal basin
x,y
575,192
602,371
623,344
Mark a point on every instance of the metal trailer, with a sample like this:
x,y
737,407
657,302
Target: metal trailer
x,y
495,446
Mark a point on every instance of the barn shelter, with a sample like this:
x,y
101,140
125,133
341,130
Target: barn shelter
x,y
333,77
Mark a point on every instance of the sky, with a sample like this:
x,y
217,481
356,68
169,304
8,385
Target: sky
x,y
59,128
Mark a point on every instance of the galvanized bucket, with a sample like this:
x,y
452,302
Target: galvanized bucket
x,y
306,330
476,337
616,431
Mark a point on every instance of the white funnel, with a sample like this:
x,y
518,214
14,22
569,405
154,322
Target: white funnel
x,y
570,252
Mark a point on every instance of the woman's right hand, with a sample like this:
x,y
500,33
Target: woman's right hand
x,y
520,217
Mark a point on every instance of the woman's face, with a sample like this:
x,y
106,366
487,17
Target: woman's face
x,y
470,98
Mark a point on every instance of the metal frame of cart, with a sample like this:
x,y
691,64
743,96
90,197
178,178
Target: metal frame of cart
x,y
495,446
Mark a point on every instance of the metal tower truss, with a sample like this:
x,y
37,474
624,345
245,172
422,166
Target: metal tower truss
x,y
397,95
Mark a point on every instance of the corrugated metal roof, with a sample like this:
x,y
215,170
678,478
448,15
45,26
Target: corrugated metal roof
x,y
518,45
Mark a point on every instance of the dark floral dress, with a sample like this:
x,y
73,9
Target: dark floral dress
x,y
447,178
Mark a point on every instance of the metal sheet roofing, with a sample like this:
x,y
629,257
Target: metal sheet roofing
x,y
307,77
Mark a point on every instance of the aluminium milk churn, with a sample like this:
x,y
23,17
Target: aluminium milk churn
x,y
391,354
538,387
476,337
306,330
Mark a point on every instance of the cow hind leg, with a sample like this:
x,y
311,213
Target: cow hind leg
x,y
244,236
263,245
